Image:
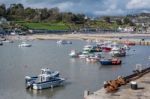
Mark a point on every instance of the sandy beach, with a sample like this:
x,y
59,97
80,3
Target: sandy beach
x,y
115,37
80,36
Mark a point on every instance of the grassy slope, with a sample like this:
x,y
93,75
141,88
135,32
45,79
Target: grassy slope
x,y
67,26
42,25
104,25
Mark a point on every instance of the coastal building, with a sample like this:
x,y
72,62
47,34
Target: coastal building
x,y
148,30
2,32
3,21
143,21
120,29
126,29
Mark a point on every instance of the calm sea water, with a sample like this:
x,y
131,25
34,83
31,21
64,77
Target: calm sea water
x,y
16,63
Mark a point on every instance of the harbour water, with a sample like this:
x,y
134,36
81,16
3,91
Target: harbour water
x,y
16,63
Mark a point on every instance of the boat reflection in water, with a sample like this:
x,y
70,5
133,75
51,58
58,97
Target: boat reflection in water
x,y
43,93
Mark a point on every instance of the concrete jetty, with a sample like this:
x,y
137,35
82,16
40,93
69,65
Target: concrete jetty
x,y
125,92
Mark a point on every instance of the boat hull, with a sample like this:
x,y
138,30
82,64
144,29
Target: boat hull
x,y
48,84
1,43
28,45
110,62
106,49
83,56
92,59
106,62
118,54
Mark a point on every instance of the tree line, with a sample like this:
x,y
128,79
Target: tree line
x,y
17,12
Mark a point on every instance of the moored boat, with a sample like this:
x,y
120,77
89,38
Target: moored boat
x,y
129,43
116,61
87,48
106,48
1,43
63,42
106,62
84,54
8,41
92,48
73,54
44,80
93,58
43,84
118,52
24,44
96,49
113,61
126,47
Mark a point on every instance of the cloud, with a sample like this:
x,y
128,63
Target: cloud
x,y
138,4
108,11
111,8
64,6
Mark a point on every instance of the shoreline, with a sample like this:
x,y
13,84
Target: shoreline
x,y
116,37
77,36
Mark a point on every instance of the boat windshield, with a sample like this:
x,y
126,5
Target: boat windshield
x,y
45,71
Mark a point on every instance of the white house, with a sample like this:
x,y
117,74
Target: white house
x,y
3,21
126,29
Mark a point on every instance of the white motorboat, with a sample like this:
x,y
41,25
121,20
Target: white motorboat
x,y
93,58
87,48
8,41
47,79
118,52
84,54
126,47
24,44
73,53
63,42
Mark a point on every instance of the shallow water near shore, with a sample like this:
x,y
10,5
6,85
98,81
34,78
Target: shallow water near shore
x,y
17,62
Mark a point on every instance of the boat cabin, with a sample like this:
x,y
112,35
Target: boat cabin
x,y
45,71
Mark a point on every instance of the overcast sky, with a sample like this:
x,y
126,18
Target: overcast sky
x,y
91,7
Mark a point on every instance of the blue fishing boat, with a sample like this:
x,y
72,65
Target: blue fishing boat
x,y
113,61
106,62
